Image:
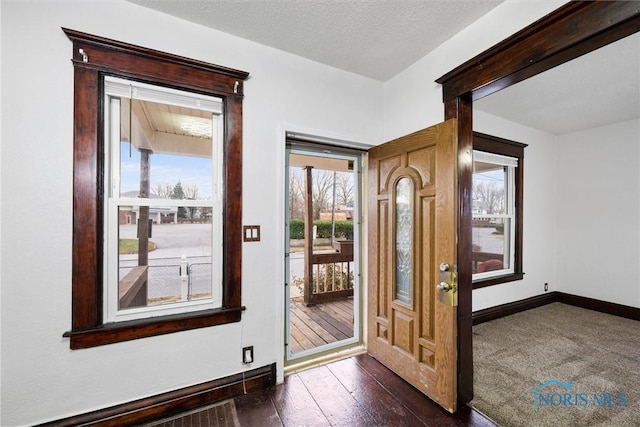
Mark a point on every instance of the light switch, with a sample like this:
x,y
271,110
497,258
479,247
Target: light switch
x,y
251,233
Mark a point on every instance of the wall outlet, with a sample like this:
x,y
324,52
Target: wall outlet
x,y
546,287
247,355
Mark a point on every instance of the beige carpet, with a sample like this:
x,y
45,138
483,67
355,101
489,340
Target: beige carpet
x,y
579,367
220,414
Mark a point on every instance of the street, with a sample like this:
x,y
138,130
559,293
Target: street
x,y
172,242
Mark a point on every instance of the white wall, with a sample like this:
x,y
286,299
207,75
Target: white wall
x,y
42,379
414,101
598,213
539,237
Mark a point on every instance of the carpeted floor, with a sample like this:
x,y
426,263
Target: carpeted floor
x,y
558,365
220,414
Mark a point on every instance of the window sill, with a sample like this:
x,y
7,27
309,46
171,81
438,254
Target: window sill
x,y
124,331
498,280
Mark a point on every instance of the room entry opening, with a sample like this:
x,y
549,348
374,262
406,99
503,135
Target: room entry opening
x,y
322,258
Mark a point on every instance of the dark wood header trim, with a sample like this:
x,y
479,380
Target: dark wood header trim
x,y
572,30
167,68
486,142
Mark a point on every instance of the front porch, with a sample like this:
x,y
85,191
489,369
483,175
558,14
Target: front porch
x,y
319,324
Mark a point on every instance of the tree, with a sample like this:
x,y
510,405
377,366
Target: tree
x,y
296,194
344,189
491,197
178,191
191,191
163,190
322,187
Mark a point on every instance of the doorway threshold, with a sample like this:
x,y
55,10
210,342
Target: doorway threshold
x,y
324,359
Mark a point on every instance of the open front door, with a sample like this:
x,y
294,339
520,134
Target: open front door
x,y
412,237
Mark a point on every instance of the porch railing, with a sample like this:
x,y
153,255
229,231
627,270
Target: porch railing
x,y
332,275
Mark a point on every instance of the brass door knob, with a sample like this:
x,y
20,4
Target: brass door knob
x,y
444,287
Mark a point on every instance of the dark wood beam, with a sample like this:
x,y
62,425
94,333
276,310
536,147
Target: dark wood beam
x,y
571,31
461,109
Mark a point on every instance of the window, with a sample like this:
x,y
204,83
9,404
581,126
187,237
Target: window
x,y
157,143
163,160
497,210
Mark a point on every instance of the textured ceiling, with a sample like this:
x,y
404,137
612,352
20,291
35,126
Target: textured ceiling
x,y
377,39
380,38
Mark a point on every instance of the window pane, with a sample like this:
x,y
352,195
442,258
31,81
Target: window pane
x,y
177,263
165,250
404,240
491,244
170,147
489,189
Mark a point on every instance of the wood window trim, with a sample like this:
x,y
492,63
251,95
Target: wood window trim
x,y
94,57
505,147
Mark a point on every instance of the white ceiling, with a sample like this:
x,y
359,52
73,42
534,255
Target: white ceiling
x,y
378,39
600,88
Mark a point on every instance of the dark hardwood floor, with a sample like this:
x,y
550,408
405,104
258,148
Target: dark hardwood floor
x,y
358,391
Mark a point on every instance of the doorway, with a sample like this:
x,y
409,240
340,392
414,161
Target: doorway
x,y
323,296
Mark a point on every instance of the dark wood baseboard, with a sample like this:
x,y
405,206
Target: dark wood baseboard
x,y
173,402
601,306
510,308
507,309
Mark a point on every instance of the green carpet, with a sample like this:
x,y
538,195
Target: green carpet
x,y
594,359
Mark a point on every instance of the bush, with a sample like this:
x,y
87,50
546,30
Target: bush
x,y
296,229
344,229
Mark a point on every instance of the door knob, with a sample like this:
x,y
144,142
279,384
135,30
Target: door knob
x,y
444,287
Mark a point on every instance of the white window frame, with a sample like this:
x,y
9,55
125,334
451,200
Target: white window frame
x,y
116,88
510,217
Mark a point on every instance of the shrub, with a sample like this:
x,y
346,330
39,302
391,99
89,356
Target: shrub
x,y
344,229
296,229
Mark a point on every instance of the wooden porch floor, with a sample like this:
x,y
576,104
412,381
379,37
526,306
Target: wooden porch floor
x,y
320,324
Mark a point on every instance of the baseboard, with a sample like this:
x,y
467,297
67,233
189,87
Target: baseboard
x,y
510,308
601,306
173,402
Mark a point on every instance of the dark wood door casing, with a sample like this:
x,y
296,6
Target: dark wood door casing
x,y
577,28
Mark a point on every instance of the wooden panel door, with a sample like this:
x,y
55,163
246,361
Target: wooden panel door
x,y
412,231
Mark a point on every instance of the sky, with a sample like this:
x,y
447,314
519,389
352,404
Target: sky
x,y
166,168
